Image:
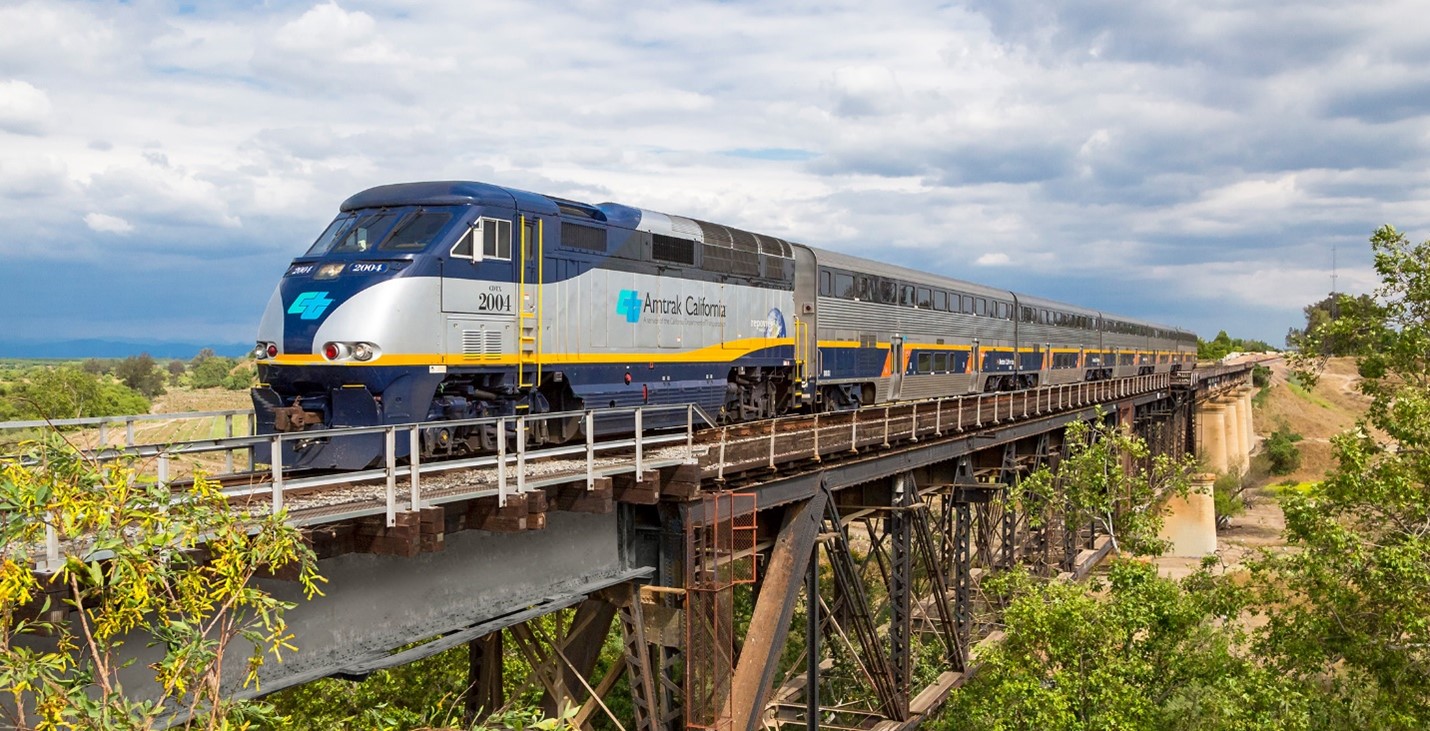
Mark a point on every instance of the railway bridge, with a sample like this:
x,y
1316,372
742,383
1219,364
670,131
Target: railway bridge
x,y
810,571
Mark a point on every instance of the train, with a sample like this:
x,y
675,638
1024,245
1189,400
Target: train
x,y
450,300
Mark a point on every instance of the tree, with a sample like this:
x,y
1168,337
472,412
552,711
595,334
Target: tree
x,y
1320,314
1353,598
1146,653
176,371
66,392
142,374
1108,476
95,366
202,356
210,372
134,561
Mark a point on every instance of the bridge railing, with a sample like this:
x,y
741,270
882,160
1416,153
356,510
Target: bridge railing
x,y
98,433
508,467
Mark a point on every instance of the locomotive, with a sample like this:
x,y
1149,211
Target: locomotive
x,y
455,300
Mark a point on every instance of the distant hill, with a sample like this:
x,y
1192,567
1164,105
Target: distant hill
x,y
94,348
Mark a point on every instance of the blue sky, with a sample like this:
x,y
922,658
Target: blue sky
x,y
1192,163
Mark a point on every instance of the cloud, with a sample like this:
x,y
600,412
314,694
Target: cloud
x,y
24,110
1158,159
105,223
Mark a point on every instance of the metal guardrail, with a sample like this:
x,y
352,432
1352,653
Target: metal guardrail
x,y
510,464
106,423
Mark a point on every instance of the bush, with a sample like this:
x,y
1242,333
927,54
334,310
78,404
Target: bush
x,y
210,372
1260,376
142,374
1281,451
1226,494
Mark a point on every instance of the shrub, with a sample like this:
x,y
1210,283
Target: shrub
x,y
1281,451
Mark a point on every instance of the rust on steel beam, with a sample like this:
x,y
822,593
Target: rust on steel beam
x,y
900,583
769,624
484,677
582,647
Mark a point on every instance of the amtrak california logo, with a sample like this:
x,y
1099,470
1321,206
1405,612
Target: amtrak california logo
x,y
628,303
631,305
310,305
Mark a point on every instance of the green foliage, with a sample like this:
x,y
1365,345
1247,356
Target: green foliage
x,y
1323,337
132,567
1222,345
1354,593
1282,454
243,376
176,371
142,374
210,372
96,367
1260,376
1110,477
67,392
1146,653
1226,495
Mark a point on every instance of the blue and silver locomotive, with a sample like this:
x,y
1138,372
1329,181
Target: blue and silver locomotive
x,y
453,300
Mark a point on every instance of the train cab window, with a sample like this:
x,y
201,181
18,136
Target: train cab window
x,y
826,283
924,297
940,300
495,235
415,233
353,234
980,307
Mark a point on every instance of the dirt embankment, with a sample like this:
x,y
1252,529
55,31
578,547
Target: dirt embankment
x,y
1318,414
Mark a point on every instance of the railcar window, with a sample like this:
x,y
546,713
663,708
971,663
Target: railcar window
x,y
966,304
940,300
925,297
1027,314
940,362
844,286
906,295
333,232
416,232
826,283
863,288
980,306
925,363
1004,311
671,249
888,292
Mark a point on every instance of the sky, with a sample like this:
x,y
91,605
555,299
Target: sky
x,y
1194,163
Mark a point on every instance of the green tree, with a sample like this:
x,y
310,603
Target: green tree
x,y
1141,652
142,374
210,372
1319,316
1108,476
1282,454
1353,598
176,371
134,560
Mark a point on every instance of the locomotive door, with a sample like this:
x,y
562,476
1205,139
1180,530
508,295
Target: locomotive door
x,y
896,373
478,299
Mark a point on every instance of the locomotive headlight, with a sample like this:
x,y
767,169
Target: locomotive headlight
x,y
364,351
263,351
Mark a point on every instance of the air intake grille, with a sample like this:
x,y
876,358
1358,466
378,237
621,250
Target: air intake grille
x,y
481,344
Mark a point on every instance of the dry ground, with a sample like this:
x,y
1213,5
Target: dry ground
x,y
1318,414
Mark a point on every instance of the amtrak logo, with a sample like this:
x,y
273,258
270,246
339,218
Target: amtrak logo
x,y
629,304
310,305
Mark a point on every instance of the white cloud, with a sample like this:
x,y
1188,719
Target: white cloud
x,y
1034,145
24,109
107,224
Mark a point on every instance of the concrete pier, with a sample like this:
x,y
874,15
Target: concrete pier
x,y
1190,522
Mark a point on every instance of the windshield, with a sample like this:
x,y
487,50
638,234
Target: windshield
x,y
398,231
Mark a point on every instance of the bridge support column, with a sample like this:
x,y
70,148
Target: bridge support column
x,y
1250,423
1235,436
1211,433
1190,523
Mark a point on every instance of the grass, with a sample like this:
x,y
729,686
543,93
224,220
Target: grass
x,y
1282,489
1305,394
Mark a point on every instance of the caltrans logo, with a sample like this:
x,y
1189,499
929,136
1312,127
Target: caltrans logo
x,y
310,305
629,303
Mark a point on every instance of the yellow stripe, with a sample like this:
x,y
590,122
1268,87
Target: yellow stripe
x,y
724,352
